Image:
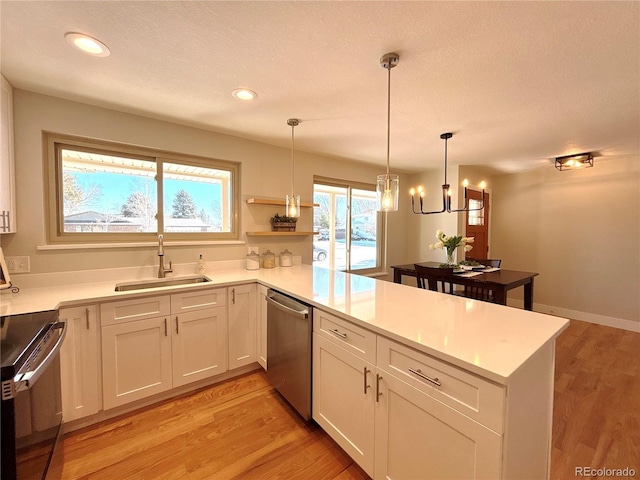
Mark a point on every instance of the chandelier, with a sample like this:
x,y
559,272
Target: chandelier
x,y
446,191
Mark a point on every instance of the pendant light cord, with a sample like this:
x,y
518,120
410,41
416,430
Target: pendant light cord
x,y
388,114
293,163
445,160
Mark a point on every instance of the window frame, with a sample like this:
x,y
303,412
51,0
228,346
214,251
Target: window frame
x,y
381,221
54,211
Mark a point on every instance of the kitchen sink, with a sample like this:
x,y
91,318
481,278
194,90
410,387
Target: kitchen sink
x,y
160,282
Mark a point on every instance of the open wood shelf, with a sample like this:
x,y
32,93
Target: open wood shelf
x,y
271,234
274,201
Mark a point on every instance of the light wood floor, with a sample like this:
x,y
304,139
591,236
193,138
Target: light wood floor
x,y
243,429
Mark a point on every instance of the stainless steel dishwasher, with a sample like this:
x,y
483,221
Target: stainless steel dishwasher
x,y
289,327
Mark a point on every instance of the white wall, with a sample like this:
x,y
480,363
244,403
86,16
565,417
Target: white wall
x,y
265,173
580,230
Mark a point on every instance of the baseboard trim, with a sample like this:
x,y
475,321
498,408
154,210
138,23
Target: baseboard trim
x,y
578,315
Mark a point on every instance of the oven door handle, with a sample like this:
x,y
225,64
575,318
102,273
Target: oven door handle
x,y
28,379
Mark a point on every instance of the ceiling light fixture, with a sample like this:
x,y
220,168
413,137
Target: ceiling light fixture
x,y
244,94
446,191
87,44
388,184
575,162
292,202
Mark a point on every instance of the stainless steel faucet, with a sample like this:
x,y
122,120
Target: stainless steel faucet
x,y
161,270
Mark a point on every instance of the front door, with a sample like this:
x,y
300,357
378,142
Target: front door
x,y
478,224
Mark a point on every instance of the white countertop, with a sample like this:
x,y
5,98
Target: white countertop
x,y
488,339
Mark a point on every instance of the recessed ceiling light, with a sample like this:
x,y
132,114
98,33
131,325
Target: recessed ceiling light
x,y
244,94
88,45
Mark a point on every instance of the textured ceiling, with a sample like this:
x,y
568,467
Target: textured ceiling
x,y
517,82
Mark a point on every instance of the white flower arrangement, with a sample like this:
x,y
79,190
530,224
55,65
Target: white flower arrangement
x,y
451,243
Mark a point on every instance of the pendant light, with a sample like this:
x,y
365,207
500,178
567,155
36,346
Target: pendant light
x,y
446,191
292,202
388,184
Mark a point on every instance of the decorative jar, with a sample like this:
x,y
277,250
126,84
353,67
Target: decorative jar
x,y
268,259
253,261
286,258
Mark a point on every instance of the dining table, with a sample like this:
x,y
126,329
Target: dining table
x,y
498,280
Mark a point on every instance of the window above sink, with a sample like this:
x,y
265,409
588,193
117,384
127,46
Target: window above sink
x,y
101,192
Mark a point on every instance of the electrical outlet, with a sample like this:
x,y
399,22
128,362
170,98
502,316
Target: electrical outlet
x,y
18,264
253,250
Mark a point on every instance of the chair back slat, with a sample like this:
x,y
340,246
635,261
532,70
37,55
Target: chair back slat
x,y
435,278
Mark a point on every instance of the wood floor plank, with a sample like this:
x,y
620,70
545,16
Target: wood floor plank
x,y
242,428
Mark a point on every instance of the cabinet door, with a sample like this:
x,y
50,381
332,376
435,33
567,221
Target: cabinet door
x,y
199,345
344,399
136,360
261,339
242,325
80,363
420,437
7,164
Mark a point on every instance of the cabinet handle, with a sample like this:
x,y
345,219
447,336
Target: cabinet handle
x,y
337,333
165,327
177,328
417,372
366,370
378,392
86,316
233,296
6,221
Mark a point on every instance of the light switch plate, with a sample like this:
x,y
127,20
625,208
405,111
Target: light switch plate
x,y
18,264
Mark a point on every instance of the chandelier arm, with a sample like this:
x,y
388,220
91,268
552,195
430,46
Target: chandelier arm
x,y
466,209
444,204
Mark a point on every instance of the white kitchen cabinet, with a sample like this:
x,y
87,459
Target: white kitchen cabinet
x,y
152,344
344,399
242,325
136,360
199,335
80,374
261,327
7,163
422,438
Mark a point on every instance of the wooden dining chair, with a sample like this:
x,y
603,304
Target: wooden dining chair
x,y
435,278
478,292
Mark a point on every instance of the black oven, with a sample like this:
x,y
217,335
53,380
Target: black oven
x,y
31,396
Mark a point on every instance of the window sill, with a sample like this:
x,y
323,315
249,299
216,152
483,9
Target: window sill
x,y
96,246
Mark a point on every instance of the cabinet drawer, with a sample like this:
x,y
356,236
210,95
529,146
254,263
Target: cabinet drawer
x,y
476,398
198,300
124,311
352,338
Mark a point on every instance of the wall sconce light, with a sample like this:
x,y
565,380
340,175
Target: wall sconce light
x,y
575,162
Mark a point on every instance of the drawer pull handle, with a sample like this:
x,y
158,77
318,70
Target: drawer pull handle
x,y
177,327
165,327
366,370
86,316
337,333
378,392
417,372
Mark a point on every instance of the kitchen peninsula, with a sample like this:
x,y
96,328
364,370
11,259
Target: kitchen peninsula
x,y
494,365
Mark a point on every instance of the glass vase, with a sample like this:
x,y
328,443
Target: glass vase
x,y
451,254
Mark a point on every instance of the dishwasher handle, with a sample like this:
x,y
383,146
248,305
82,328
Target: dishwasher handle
x,y
303,313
